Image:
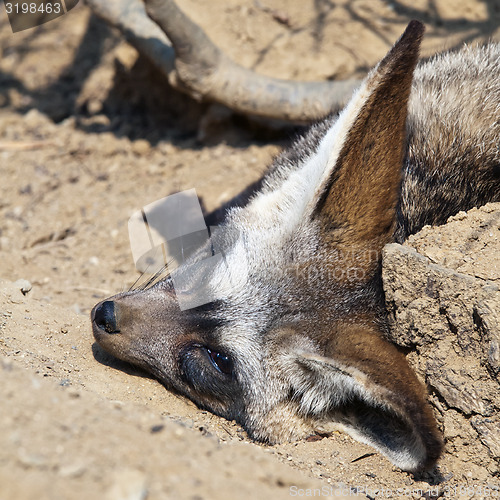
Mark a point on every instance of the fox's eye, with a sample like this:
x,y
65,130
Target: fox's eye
x,y
222,362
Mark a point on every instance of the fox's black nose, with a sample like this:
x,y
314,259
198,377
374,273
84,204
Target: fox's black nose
x,y
105,318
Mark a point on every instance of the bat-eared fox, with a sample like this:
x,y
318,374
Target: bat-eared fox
x,y
299,345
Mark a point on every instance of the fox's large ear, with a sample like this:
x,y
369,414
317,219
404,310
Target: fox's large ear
x,y
365,161
359,379
365,384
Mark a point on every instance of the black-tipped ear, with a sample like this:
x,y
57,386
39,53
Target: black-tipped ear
x,y
366,385
362,191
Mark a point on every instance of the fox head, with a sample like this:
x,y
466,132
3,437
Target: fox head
x,y
297,345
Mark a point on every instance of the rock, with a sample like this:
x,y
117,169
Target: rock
x,y
141,147
489,433
34,118
443,298
128,484
24,285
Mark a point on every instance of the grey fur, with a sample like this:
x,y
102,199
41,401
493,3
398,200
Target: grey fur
x,y
453,157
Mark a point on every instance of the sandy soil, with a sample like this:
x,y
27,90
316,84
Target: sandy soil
x,y
88,134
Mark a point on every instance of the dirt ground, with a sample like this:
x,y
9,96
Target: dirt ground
x,y
89,133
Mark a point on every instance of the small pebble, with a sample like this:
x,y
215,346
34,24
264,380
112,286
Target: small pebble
x,y
141,147
24,285
72,470
128,484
